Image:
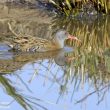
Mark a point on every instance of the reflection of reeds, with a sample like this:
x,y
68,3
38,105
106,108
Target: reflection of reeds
x,y
92,55
25,101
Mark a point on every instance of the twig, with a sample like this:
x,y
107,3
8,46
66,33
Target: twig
x,y
7,103
10,28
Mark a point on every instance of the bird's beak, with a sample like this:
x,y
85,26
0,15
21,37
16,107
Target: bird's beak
x,y
71,37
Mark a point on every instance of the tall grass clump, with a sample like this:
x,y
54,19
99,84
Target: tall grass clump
x,y
74,7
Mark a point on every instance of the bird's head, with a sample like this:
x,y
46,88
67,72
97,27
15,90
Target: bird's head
x,y
61,36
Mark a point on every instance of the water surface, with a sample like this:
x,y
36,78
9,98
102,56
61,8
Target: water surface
x,y
47,81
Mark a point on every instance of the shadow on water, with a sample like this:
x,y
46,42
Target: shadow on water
x,y
47,81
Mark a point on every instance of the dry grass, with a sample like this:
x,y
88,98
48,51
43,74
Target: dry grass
x,y
73,7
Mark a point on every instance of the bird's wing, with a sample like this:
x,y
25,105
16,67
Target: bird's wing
x,y
33,44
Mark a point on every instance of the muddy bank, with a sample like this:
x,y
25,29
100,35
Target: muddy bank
x,y
35,22
4,1
24,13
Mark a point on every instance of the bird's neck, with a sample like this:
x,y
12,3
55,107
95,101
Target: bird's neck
x,y
58,44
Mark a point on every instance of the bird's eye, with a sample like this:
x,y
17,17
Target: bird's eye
x,y
65,33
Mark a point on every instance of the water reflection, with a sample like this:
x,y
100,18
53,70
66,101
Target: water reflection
x,y
47,68
49,80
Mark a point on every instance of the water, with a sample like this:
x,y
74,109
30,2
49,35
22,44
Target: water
x,y
49,81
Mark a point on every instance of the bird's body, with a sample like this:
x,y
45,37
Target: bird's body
x,y
33,44
29,43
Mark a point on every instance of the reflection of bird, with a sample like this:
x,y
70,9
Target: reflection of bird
x,y
11,61
29,43
62,56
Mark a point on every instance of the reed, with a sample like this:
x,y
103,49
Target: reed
x,y
92,54
75,7
25,101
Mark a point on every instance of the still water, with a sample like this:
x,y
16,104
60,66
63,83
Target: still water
x,y
47,81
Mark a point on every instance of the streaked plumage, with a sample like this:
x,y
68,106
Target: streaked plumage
x,y
33,44
30,43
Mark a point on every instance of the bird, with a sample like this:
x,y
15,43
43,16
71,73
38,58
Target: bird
x,y
28,43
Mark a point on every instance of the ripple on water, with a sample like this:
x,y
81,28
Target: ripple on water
x,y
4,52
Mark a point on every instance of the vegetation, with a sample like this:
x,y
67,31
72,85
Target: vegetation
x,y
75,7
91,61
92,56
95,41
27,102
